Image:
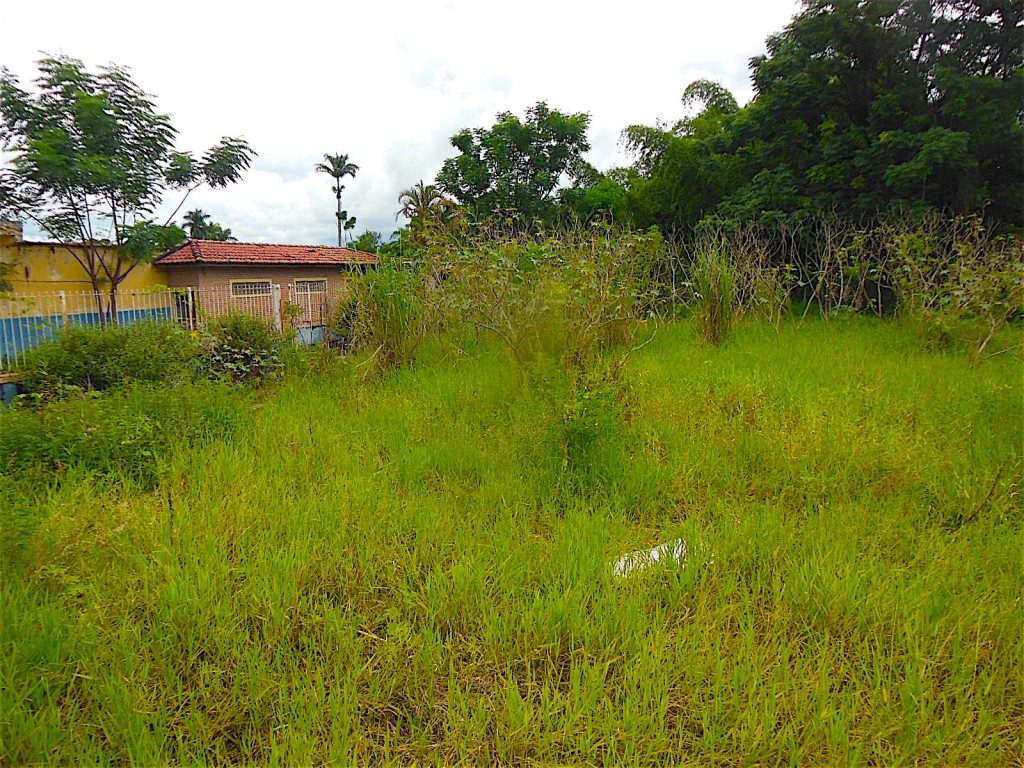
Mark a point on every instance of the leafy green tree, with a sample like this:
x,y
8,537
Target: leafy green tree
x,y
867,105
682,171
92,159
199,227
407,246
369,241
861,107
338,167
608,195
517,166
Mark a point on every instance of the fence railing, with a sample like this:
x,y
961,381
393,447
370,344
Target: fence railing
x,y
28,320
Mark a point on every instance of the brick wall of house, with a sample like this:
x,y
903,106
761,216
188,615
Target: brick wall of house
x,y
220,277
213,290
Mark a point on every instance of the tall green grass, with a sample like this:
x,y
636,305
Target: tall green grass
x,y
406,569
715,286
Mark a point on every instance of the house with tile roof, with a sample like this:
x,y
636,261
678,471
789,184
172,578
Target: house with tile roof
x,y
43,266
248,268
289,286
262,278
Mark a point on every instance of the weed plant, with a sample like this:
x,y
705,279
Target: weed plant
x,y
242,349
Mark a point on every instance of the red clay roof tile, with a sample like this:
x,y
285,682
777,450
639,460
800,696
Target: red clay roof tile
x,y
226,252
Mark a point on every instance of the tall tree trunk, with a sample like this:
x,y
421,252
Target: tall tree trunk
x,y
338,215
97,294
112,304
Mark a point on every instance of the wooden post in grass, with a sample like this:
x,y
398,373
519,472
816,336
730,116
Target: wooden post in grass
x,y
191,308
275,306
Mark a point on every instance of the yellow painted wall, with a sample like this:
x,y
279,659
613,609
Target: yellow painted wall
x,y
48,267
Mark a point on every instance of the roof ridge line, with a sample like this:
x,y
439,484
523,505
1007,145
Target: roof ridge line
x,y
278,245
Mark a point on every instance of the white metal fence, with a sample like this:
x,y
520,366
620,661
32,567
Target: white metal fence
x,y
26,321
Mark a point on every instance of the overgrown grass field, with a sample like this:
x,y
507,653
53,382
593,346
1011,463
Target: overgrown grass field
x,y
416,568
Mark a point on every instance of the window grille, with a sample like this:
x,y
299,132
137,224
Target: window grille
x,y
250,288
310,286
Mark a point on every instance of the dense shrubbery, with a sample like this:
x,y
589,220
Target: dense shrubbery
x,y
953,277
94,358
568,308
242,348
111,400
578,291
571,296
236,348
122,432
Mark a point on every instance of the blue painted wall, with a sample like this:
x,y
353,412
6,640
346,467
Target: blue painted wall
x,y
19,334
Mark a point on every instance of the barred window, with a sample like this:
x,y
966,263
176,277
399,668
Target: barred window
x,y
250,288
310,286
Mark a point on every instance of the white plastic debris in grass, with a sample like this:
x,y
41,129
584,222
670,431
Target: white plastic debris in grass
x,y
642,559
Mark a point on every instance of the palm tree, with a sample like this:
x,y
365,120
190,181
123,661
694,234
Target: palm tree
x,y
339,167
420,199
199,227
196,222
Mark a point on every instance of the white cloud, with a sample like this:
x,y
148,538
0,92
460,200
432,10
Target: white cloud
x,y
388,83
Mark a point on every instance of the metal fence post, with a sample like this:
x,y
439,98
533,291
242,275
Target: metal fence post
x,y
190,307
275,306
63,310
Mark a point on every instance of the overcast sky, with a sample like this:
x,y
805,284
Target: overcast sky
x,y
387,82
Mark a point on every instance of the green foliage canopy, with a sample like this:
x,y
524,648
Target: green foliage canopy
x,y
683,171
868,106
369,241
92,159
516,167
861,108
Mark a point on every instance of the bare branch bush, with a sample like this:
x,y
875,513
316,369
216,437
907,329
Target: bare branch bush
x,y
987,284
571,294
763,277
954,277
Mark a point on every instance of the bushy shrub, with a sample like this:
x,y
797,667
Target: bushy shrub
x,y
763,283
608,282
509,287
241,329
954,276
242,348
124,431
95,358
569,307
343,325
